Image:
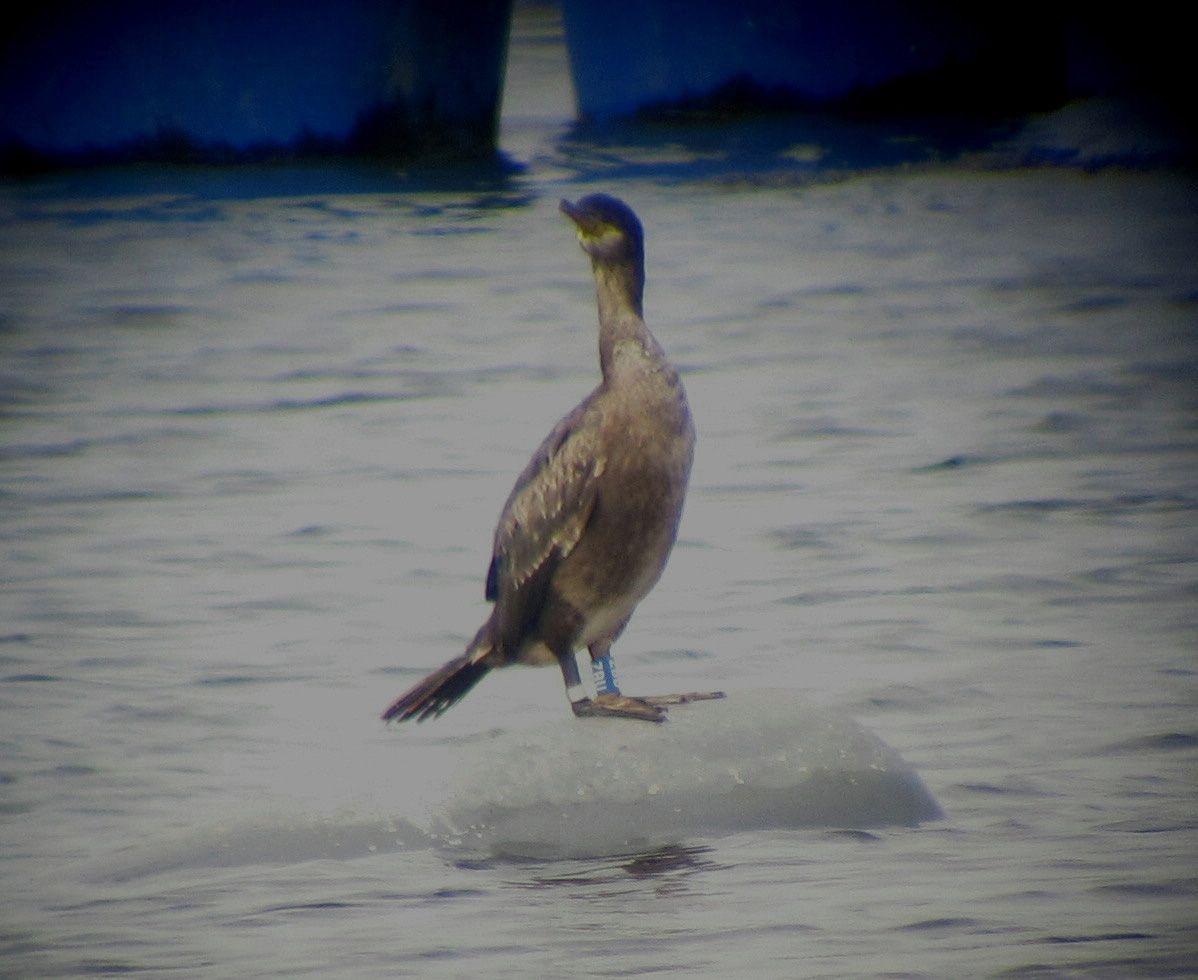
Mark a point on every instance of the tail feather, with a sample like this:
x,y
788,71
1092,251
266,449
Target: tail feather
x,y
441,689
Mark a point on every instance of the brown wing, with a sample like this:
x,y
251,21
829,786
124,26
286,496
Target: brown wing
x,y
543,519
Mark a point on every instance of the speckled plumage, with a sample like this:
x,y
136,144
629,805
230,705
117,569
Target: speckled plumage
x,y
588,527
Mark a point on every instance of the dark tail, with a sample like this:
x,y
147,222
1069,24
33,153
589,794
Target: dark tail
x,y
444,687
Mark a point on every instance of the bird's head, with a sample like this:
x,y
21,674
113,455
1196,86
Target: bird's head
x,y
608,230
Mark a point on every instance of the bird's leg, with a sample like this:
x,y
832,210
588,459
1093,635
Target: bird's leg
x,y
574,689
608,701
603,667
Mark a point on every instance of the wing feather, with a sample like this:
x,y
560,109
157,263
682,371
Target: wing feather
x,y
544,518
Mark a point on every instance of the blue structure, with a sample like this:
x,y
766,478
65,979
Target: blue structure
x,y
236,79
659,56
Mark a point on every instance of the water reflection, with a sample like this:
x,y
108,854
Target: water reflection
x,y
673,864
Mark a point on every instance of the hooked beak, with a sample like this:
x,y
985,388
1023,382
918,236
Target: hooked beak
x,y
586,225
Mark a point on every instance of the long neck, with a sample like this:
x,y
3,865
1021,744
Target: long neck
x,y
619,287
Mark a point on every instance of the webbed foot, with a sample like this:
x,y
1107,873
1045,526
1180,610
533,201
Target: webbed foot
x,y
619,706
664,699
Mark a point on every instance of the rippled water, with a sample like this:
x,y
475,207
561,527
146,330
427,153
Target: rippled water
x,y
257,429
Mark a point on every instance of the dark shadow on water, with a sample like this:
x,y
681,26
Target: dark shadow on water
x,y
771,148
672,862
198,193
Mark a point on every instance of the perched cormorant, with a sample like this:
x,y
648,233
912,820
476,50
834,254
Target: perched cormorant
x,y
587,529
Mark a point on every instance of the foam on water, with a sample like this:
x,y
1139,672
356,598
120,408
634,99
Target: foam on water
x,y
567,789
755,760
